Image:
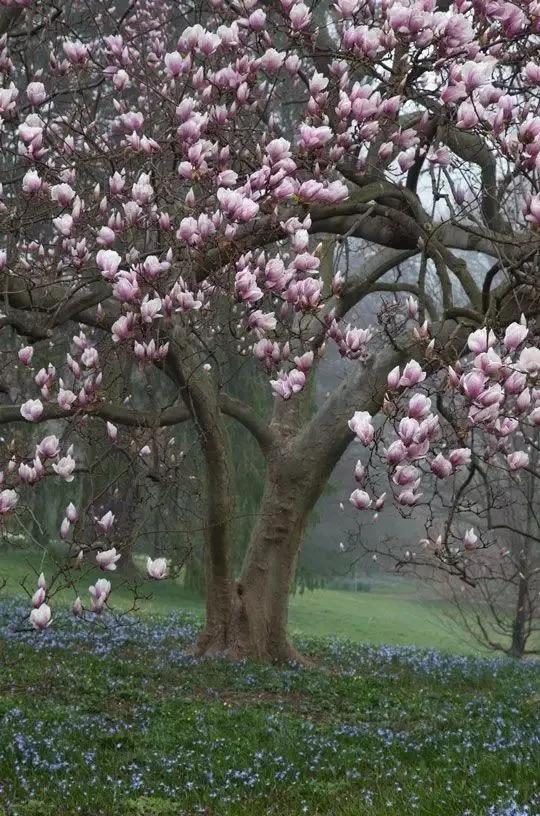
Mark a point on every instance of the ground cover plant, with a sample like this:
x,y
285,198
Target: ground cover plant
x,y
127,720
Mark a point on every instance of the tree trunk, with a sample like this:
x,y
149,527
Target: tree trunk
x,y
249,618
218,544
519,635
200,392
523,612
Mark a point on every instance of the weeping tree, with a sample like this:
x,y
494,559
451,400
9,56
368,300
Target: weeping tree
x,y
160,210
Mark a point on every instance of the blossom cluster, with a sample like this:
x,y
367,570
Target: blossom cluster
x,y
495,397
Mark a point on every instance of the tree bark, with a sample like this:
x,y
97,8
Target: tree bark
x,y
200,393
248,618
522,612
519,635
269,567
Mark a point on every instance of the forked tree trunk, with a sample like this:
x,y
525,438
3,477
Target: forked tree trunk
x,y
268,574
248,618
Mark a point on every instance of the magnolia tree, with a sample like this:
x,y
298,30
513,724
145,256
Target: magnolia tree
x,y
165,168
470,468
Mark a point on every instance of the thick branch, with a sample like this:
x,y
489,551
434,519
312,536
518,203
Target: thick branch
x,y
247,417
110,413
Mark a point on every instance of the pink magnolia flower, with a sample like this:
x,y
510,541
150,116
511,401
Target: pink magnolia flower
x,y
106,559
272,60
76,52
261,321
396,452
71,513
174,63
360,499
65,467
529,360
470,539
8,501
112,431
281,387
236,205
32,410
31,183
515,335
122,329
406,475
481,340
25,354
66,398
441,467
106,522
412,375
515,383
408,429
64,224
523,402
305,362
63,194
157,568
359,472
473,384
532,211
65,527
379,503
105,236
419,406
453,377
347,8
297,380
314,137
517,460
150,309
412,307
467,116
99,594
489,362
40,618
108,261
534,417
49,447
460,456
38,597
532,73
126,287
393,379
361,425
153,267
36,93
77,608
300,16
408,498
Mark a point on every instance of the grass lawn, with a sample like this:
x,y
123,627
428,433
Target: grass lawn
x,y
99,718
125,722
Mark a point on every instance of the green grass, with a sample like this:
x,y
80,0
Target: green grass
x,y
387,614
127,723
100,720
376,617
